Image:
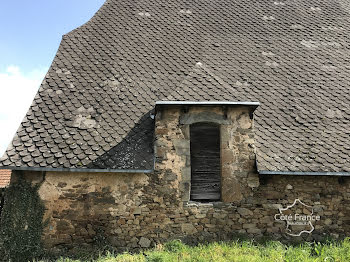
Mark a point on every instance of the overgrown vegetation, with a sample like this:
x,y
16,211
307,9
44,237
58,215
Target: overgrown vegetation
x,y
21,223
236,251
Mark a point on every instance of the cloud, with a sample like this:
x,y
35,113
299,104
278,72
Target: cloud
x,y
17,90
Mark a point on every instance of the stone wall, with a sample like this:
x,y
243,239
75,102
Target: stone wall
x,y
135,210
172,147
83,207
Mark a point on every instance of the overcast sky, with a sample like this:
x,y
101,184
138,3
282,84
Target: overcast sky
x,y
30,33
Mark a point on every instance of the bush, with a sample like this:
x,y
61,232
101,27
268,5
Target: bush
x,y
155,257
21,223
174,246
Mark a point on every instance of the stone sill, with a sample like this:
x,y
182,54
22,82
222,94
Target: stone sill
x,y
218,204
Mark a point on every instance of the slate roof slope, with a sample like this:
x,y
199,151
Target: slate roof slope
x,y
92,109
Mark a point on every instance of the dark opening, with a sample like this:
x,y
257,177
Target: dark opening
x,y
205,162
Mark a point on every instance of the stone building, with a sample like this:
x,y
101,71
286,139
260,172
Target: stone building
x,y
197,120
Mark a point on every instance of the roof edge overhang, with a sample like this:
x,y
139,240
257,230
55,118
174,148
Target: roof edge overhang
x,y
81,170
301,173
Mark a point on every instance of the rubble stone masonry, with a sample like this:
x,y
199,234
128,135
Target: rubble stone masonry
x,y
139,210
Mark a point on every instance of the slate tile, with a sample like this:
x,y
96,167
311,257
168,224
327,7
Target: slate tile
x,y
243,58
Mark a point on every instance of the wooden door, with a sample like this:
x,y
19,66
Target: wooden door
x,y
205,162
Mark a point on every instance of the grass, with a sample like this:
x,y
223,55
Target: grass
x,y
236,251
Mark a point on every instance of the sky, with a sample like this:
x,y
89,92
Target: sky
x,y
30,33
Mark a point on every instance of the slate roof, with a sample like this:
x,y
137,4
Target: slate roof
x,y
5,177
93,107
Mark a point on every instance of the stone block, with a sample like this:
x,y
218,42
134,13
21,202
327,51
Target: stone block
x,y
231,191
227,157
200,215
161,152
253,182
64,226
185,131
219,215
267,219
186,174
83,232
244,212
182,147
246,226
242,231
188,229
185,191
244,121
144,242
328,222
208,116
161,131
170,176
289,187
272,206
254,231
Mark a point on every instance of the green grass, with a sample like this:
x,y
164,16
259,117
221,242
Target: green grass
x,y
236,251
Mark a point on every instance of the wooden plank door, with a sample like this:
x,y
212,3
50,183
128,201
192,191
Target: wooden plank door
x,y
205,162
